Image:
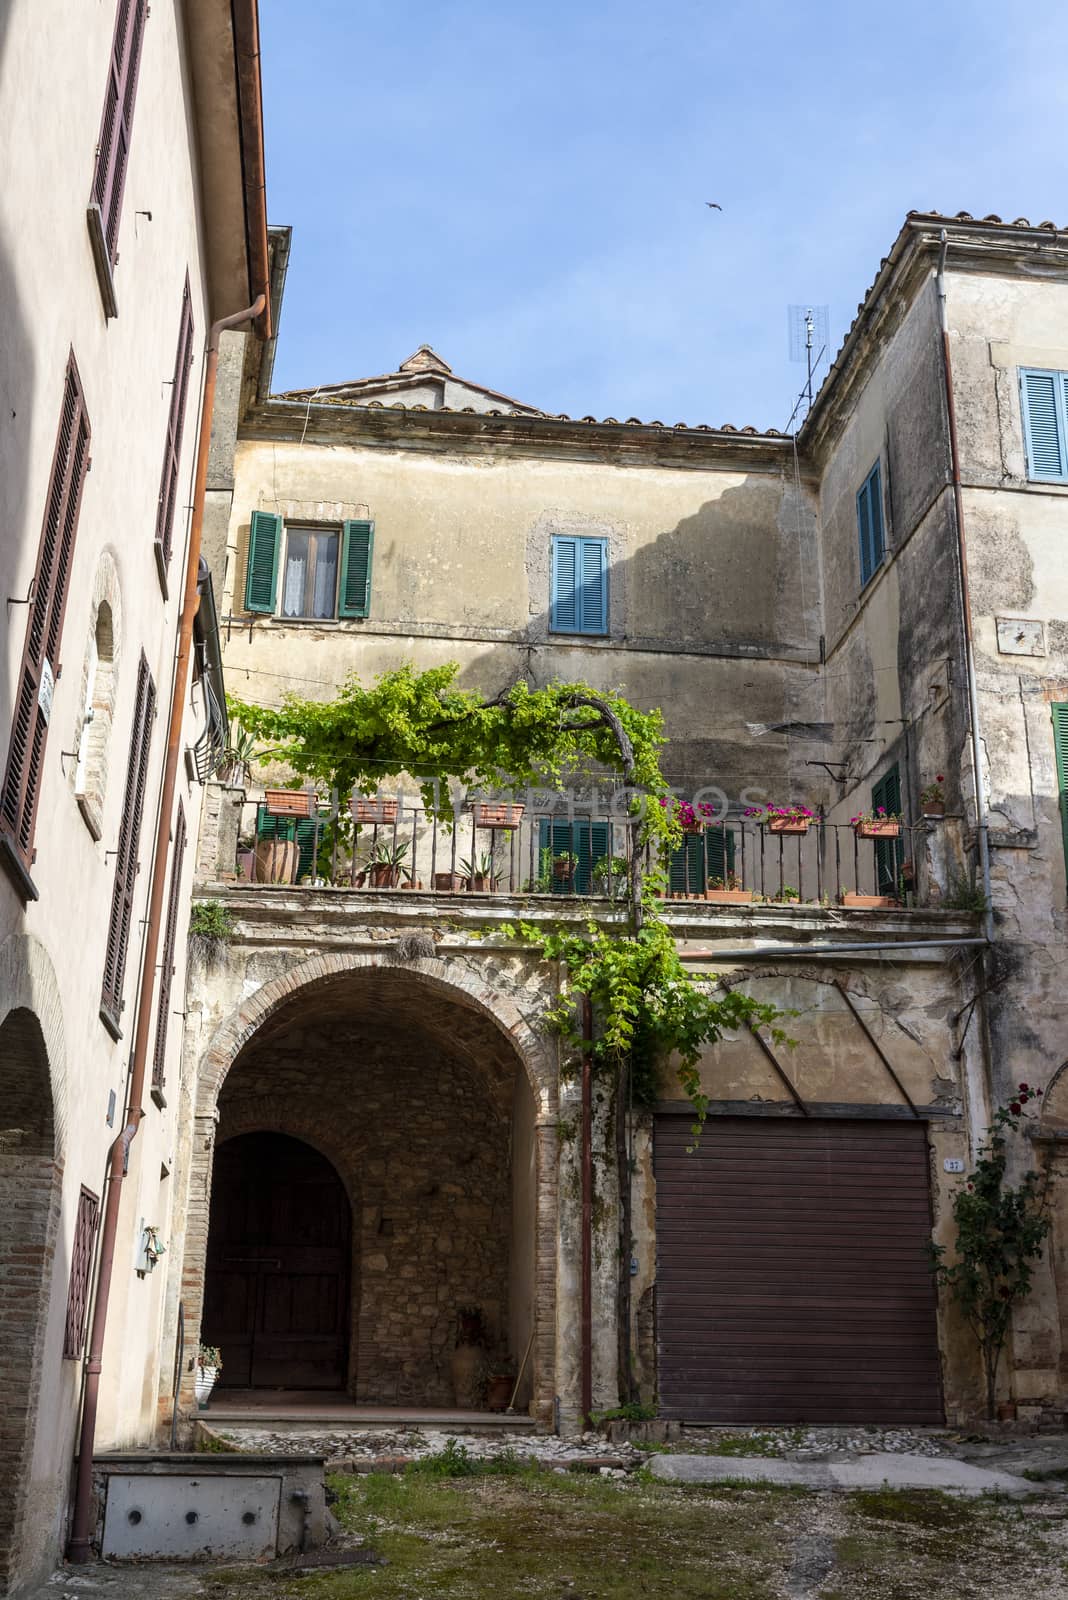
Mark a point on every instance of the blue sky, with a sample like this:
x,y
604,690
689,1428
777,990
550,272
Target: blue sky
x,y
523,186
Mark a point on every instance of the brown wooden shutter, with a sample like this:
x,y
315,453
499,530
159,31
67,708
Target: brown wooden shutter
x,y
168,489
113,149
81,1262
44,629
126,862
167,968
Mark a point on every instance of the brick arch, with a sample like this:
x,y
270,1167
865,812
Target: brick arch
x,y
32,1141
533,1048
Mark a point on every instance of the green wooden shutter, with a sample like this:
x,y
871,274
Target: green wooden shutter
x,y
870,525
1044,405
306,830
701,856
586,840
887,793
1060,745
261,578
357,546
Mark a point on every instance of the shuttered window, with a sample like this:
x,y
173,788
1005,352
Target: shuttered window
x,y
888,852
584,841
40,657
126,862
579,596
870,525
354,599
703,860
168,488
1060,745
305,830
113,149
261,576
1044,406
159,1057
81,1264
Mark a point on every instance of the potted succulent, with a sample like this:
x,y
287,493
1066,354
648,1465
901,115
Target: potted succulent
x,y
372,809
877,823
783,819
206,1370
691,818
478,873
236,758
492,815
727,891
468,1360
933,798
448,882
385,865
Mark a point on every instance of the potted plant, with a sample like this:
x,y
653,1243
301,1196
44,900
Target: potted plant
x,y
492,815
564,866
290,802
933,798
385,865
206,1370
468,1359
727,891
867,902
448,882
783,819
372,809
877,823
788,894
234,762
478,873
610,875
691,818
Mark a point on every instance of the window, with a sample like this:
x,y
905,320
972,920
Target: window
x,y
703,859
1060,749
310,559
168,489
1044,406
91,769
579,594
81,1261
870,525
126,862
581,844
887,794
44,629
159,1058
113,146
305,830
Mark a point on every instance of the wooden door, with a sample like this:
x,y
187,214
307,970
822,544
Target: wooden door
x,y
276,1296
793,1279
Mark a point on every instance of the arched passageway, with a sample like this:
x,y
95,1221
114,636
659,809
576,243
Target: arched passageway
x,y
418,1110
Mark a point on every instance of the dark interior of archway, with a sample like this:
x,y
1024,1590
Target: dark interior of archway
x,y
410,1096
277,1289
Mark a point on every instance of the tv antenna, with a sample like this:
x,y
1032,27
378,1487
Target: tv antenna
x,y
808,327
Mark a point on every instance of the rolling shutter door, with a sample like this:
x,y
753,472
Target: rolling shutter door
x,y
793,1283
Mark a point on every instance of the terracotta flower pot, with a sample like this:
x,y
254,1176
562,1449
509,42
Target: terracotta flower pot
x,y
787,824
383,876
277,861
482,883
728,897
371,810
448,882
877,830
289,802
934,808
869,902
497,816
563,870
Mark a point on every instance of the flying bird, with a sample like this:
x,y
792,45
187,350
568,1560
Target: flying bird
x,y
713,205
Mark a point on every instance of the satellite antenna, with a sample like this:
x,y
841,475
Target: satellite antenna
x,y
808,340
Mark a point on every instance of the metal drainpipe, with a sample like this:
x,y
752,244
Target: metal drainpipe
x,y
586,1318
981,817
79,1548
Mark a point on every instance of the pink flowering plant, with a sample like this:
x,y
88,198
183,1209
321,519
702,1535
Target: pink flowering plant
x,y
1000,1231
690,816
873,817
770,813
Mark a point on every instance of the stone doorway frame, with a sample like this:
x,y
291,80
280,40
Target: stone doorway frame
x,y
536,1052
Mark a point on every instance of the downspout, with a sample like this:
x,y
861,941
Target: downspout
x,y
78,1548
586,1312
981,817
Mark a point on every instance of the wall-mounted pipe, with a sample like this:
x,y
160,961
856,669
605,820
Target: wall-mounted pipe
x,y
79,1548
586,1376
837,951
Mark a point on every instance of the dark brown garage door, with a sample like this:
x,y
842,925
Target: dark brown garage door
x,y
792,1279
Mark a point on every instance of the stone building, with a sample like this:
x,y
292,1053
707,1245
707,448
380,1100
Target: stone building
x,y
129,221
802,618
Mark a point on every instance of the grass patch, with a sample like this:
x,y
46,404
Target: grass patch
x,y
918,1508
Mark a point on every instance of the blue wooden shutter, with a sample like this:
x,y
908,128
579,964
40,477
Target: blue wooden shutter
x,y
1060,746
357,545
593,596
261,578
563,610
1044,405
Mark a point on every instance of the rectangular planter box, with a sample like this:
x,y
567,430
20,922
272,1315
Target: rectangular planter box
x,y
787,825
870,902
878,830
497,816
289,802
729,897
375,810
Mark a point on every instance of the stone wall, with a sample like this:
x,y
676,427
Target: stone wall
x,y
421,1140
